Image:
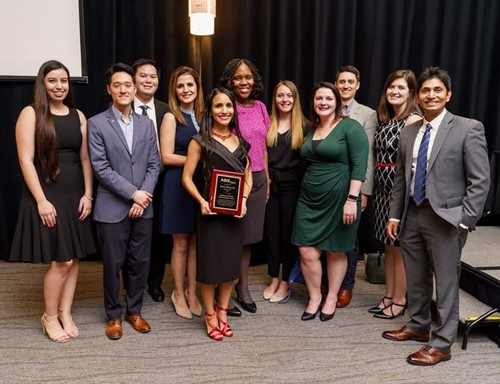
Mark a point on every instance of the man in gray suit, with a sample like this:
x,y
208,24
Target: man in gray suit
x,y
347,82
147,76
440,188
124,154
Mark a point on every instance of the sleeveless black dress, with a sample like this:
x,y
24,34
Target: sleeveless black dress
x,y
219,237
69,238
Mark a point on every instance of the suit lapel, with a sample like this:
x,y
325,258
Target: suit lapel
x,y
442,133
116,127
138,121
353,113
413,128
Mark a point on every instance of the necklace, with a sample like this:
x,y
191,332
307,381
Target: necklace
x,y
57,111
222,137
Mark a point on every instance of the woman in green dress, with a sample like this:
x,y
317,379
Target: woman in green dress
x,y
335,154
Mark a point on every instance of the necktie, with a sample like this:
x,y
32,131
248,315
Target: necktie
x,y
421,171
144,110
345,110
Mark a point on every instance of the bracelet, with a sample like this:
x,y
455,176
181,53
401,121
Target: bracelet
x,y
245,197
352,197
89,197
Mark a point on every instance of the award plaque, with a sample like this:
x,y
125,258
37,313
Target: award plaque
x,y
226,192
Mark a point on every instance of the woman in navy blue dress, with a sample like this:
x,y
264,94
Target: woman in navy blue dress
x,y
177,207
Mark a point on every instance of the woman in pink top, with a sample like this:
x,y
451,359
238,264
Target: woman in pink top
x,y
243,78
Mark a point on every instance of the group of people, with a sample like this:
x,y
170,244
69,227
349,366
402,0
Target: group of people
x,y
306,185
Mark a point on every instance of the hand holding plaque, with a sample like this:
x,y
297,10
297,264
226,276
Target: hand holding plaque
x,y
226,192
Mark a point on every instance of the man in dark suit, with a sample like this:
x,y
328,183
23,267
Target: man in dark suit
x,y
124,154
147,76
347,82
440,187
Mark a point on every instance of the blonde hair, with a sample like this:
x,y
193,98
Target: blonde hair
x,y
298,121
172,96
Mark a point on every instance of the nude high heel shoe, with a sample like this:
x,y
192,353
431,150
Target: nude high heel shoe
x,y
65,318
195,310
54,332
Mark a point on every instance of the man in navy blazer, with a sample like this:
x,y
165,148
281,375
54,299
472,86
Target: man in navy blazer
x,y
124,154
147,77
432,218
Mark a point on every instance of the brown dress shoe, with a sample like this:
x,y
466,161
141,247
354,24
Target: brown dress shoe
x,y
114,330
344,298
139,324
428,356
405,334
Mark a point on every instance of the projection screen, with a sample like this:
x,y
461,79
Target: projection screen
x,y
34,31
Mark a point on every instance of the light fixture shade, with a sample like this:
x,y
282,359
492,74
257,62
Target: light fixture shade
x,y
202,17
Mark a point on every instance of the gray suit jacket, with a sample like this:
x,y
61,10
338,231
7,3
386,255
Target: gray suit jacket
x,y
367,117
120,173
458,175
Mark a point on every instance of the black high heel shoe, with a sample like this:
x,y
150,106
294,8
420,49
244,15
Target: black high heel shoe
x,y
382,315
325,316
306,316
377,309
249,307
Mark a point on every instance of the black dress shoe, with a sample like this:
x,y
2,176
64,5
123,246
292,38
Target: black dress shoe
x,y
234,312
326,317
249,307
157,294
308,316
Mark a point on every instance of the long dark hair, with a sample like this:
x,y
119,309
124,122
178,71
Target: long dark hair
x,y
45,133
207,120
226,79
338,102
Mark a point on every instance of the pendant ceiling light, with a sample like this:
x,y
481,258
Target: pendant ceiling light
x,y
202,17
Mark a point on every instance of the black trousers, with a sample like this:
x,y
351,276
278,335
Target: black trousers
x,y
278,223
161,245
127,243
366,243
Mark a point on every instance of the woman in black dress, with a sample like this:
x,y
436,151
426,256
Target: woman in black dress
x,y
284,139
219,237
52,226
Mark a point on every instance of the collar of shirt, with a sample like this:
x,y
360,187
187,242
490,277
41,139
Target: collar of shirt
x,y
435,123
151,111
346,108
126,127
120,116
193,117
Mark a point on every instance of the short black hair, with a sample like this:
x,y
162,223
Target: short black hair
x,y
348,68
434,72
144,61
119,67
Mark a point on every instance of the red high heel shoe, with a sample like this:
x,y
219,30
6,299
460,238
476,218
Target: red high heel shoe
x,y
226,328
214,333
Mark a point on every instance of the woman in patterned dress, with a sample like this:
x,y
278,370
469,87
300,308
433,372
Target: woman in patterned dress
x,y
397,108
